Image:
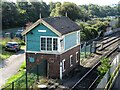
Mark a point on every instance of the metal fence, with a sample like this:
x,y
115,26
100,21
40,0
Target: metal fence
x,y
87,50
26,80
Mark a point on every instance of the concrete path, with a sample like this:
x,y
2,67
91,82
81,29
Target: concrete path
x,y
10,66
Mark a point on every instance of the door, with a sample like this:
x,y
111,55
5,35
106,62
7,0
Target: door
x,y
42,68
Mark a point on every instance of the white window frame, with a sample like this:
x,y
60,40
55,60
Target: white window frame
x,y
71,56
52,43
78,37
63,65
77,59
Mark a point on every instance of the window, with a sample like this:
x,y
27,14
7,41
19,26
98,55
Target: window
x,y
63,65
78,37
77,57
71,60
43,43
55,43
49,43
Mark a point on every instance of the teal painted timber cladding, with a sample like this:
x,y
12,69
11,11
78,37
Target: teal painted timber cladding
x,y
70,40
33,37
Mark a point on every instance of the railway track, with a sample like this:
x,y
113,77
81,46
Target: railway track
x,y
88,81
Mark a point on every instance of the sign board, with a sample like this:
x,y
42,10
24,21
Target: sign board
x,y
31,59
41,30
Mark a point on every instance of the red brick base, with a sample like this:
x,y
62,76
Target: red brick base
x,y
53,61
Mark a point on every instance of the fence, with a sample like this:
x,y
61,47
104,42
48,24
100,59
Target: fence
x,y
86,50
115,63
25,81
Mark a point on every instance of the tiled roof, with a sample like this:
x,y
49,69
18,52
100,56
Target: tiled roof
x,y
62,24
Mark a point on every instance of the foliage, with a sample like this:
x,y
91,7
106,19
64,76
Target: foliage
x,y
100,11
17,75
5,54
71,9
103,68
5,40
88,32
91,29
21,13
23,66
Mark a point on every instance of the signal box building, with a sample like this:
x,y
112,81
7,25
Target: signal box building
x,y
53,43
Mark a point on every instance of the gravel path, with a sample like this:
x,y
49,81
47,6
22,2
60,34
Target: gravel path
x,y
10,66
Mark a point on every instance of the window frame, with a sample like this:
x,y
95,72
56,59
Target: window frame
x,y
46,43
71,64
63,65
77,57
78,37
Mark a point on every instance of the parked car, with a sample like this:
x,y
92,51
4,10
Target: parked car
x,y
12,46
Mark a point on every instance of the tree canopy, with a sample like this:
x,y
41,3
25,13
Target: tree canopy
x,y
18,14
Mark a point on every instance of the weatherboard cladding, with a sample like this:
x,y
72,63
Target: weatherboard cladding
x,y
33,37
70,40
62,24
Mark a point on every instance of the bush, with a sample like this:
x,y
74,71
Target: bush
x,y
4,41
103,68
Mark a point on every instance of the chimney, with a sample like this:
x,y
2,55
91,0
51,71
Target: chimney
x,y
40,15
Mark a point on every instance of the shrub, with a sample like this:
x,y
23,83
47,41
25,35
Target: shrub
x,y
103,68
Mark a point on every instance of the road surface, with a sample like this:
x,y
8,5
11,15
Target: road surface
x,y
10,66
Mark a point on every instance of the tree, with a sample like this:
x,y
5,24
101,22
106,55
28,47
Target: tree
x,y
72,10
51,6
17,15
10,14
56,10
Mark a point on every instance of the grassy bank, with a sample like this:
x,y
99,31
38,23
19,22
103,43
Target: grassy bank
x,y
17,75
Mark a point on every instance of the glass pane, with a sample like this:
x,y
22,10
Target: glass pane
x,y
43,43
49,44
55,44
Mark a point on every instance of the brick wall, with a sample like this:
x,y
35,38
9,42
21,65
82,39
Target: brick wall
x,y
53,61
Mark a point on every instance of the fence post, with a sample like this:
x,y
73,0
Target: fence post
x,y
12,85
94,46
26,80
90,49
37,74
26,74
85,49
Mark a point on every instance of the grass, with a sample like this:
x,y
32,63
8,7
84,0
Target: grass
x,y
23,47
17,75
5,54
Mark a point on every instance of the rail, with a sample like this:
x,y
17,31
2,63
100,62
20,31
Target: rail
x,y
97,64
